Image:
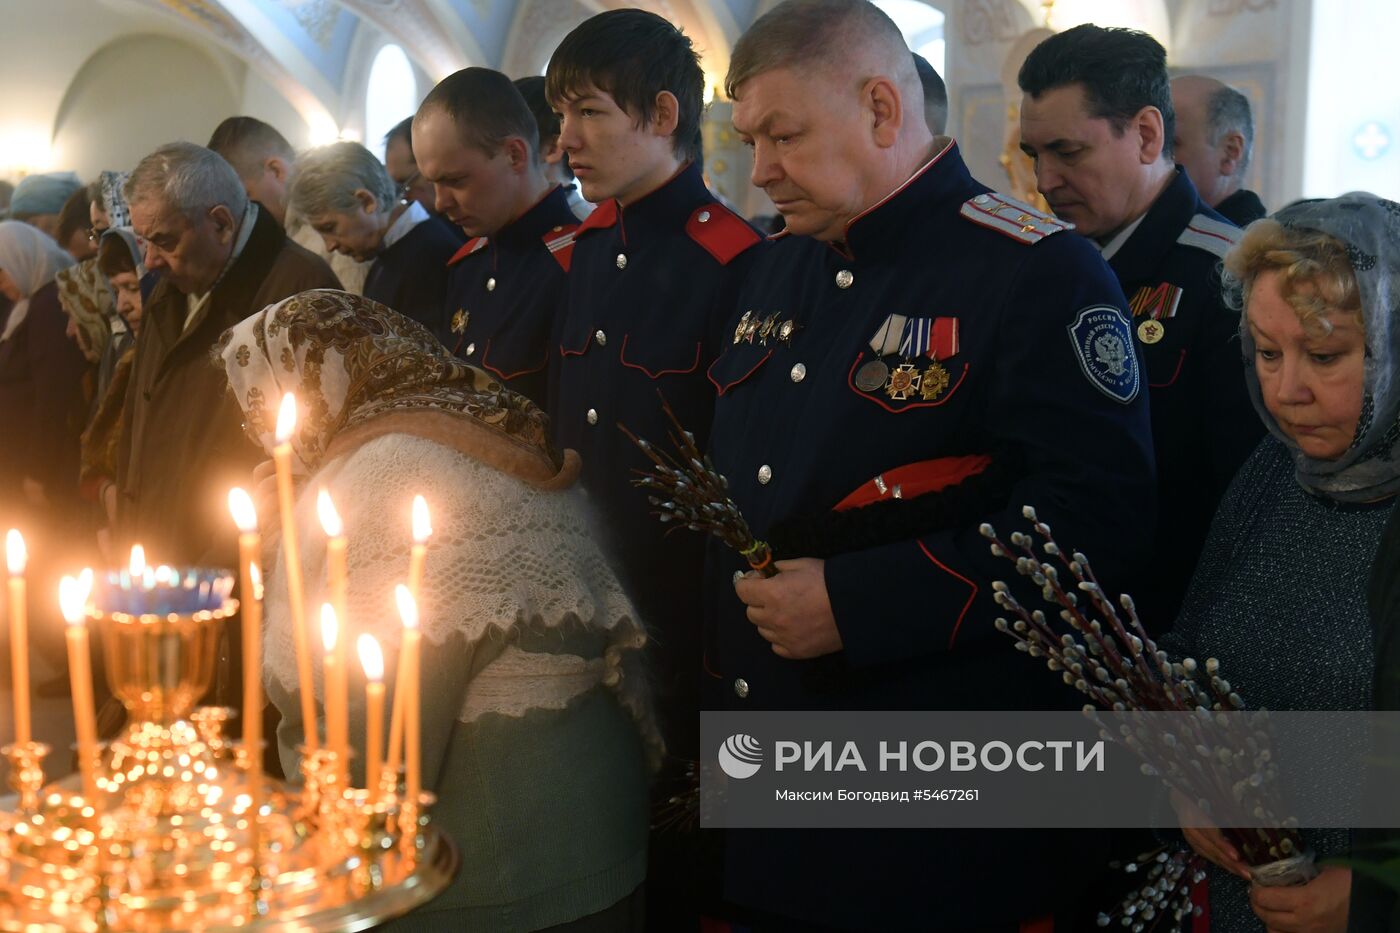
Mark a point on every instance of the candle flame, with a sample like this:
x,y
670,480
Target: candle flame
x,y
422,527
244,515
287,418
371,657
16,556
408,607
329,627
255,577
138,561
73,596
330,518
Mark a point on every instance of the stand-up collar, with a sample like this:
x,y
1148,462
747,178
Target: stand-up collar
x,y
1157,229
548,212
668,207
943,177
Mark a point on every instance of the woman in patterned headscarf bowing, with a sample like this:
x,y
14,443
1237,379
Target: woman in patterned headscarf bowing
x,y
1279,594
536,729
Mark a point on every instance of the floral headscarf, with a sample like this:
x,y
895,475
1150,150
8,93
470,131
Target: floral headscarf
x,y
87,297
352,361
1369,227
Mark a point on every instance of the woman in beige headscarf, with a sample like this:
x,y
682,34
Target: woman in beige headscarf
x,y
535,726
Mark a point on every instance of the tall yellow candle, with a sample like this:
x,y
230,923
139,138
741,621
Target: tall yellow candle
x,y
72,600
422,530
336,579
333,673
16,557
282,459
408,691
372,660
245,516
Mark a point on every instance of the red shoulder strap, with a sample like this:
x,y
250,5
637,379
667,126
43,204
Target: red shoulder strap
x,y
720,232
560,243
469,247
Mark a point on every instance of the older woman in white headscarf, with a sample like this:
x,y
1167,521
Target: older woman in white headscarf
x,y
41,371
535,725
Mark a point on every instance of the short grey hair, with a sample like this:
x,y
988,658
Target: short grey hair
x,y
187,178
1226,110
817,33
326,178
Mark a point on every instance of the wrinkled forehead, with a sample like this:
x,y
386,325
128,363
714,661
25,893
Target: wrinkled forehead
x,y
152,217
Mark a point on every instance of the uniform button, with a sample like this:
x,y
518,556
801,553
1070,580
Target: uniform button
x,y
981,199
622,260
601,337
741,688
704,216
471,348
765,473
592,416
844,278
799,372
738,575
557,229
491,284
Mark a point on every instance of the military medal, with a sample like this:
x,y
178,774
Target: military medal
x,y
1150,331
459,321
766,328
786,330
743,326
872,376
903,380
934,381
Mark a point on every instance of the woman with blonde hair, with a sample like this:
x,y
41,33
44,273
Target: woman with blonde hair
x,y
1279,594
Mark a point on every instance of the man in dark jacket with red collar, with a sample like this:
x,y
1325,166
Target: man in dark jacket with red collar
x,y
222,258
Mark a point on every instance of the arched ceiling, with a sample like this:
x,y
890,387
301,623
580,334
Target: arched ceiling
x,y
304,47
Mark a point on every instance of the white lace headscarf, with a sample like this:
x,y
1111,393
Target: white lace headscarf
x,y
31,258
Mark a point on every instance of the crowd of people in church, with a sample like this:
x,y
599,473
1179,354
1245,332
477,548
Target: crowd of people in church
x,y
1201,395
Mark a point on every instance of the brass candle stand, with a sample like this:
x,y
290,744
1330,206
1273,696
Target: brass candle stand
x,y
172,843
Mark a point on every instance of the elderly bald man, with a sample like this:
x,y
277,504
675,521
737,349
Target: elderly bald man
x,y
1214,143
910,330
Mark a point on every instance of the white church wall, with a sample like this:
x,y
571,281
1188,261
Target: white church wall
x,y
122,103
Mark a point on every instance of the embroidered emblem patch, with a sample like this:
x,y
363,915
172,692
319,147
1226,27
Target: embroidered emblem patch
x,y
1104,345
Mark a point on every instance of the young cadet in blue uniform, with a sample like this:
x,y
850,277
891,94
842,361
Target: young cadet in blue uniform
x,y
652,279
476,140
907,330
1097,118
347,197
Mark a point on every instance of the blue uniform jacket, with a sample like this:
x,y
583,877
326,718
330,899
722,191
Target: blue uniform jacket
x,y
650,288
505,294
1041,370
1203,423
410,276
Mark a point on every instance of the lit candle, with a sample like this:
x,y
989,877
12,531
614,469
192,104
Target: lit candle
x,y
333,675
249,545
406,692
372,660
336,577
16,557
72,600
282,458
422,530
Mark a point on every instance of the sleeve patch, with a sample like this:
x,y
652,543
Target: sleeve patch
x,y
1103,344
720,232
1013,218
